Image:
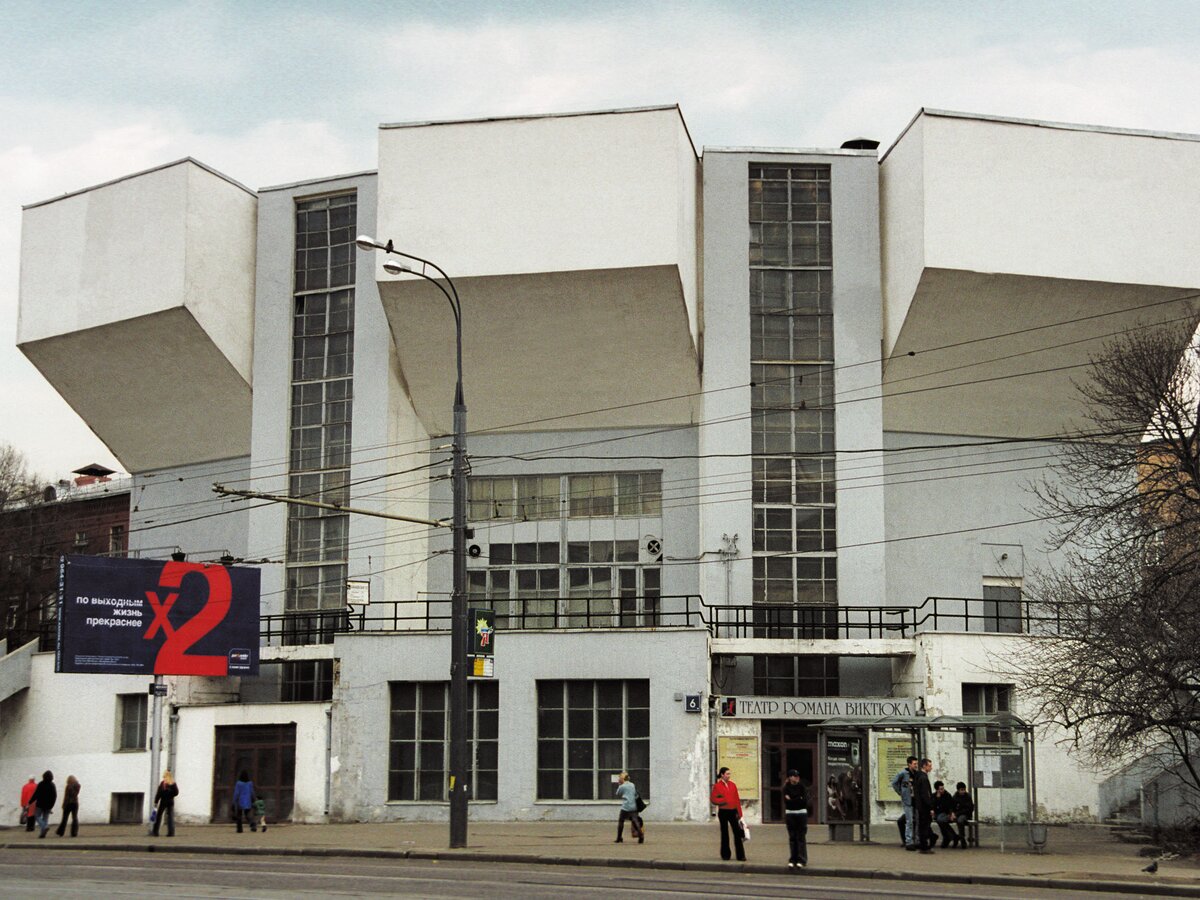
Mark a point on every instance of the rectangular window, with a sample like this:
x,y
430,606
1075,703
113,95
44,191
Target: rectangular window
x,y
792,394
307,680
988,700
419,740
116,541
131,721
1002,607
126,809
795,676
589,731
538,497
321,408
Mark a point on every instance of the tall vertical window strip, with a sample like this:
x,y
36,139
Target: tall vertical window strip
x,y
321,404
792,372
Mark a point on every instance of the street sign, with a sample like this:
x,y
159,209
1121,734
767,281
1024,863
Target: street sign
x,y
692,703
482,623
483,666
358,593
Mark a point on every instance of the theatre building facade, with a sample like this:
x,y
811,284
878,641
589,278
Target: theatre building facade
x,y
748,435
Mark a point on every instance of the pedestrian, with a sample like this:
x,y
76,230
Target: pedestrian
x,y
729,813
27,808
923,806
243,800
964,812
164,803
902,784
44,797
795,813
260,813
70,807
943,811
627,791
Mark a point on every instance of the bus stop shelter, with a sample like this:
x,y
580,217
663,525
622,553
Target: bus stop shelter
x,y
1004,741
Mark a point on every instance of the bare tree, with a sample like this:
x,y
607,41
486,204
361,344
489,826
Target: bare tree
x,y
1125,676
21,529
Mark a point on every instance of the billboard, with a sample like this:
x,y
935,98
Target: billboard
x,y
156,617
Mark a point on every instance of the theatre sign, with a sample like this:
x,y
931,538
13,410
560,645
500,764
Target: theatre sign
x,y
810,708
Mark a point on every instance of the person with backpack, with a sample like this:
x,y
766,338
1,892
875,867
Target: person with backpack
x,y
795,813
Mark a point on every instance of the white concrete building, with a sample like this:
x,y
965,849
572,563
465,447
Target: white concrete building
x,y
734,416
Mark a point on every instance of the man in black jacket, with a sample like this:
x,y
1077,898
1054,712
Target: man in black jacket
x,y
44,798
964,812
795,813
923,806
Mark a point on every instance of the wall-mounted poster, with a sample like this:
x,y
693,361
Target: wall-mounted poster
x,y
156,617
891,755
740,754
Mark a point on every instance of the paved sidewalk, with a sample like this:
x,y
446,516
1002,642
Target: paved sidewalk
x,y
1079,857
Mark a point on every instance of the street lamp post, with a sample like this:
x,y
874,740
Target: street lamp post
x,y
459,762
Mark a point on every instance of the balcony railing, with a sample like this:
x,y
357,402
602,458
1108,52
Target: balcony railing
x,y
954,614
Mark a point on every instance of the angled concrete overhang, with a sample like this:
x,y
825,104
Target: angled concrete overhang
x,y
1012,250
136,304
572,243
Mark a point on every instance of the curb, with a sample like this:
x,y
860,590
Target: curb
x,y
1028,881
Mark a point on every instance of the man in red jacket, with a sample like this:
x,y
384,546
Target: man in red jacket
x,y
729,813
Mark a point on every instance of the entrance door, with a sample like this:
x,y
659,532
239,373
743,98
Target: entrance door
x,y
268,754
787,746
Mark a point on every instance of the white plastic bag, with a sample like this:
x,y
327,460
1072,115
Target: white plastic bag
x,y
745,830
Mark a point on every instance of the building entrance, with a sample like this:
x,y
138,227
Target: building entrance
x,y
268,754
788,745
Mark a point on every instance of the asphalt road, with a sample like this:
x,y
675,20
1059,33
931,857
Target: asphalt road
x,y
101,874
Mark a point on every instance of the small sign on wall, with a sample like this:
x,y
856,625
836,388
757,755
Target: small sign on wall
x,y
739,753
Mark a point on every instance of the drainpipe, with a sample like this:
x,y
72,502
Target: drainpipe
x,y
173,745
328,758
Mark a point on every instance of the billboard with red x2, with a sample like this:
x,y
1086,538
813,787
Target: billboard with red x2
x,y
156,617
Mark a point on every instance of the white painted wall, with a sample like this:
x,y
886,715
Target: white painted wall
x,y
1067,790
541,194
68,723
195,745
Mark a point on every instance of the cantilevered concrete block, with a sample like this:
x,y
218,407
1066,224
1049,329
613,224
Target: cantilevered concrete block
x,y
136,304
572,240
1012,250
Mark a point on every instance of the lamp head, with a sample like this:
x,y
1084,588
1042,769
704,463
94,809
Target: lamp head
x,y
366,242
392,267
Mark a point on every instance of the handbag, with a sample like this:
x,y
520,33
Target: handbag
x,y
639,803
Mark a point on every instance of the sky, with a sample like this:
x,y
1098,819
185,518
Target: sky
x,y
270,92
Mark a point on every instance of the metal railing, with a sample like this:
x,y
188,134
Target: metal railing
x,y
804,622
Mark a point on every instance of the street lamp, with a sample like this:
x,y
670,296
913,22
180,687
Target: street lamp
x,y
459,763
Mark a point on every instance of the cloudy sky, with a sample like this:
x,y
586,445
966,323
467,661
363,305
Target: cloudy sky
x,y
271,92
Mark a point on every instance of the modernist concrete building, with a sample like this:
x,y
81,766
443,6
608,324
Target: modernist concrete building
x,y
740,421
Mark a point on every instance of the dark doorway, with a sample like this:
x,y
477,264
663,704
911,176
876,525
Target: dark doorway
x,y
268,753
788,745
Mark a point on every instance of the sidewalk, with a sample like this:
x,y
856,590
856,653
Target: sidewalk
x,y
1078,857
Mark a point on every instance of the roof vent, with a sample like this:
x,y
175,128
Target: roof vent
x,y
860,144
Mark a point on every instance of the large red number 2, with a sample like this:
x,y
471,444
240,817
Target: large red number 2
x,y
172,656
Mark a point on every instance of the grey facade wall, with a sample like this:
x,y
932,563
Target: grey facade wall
x,y
176,507
959,514
674,661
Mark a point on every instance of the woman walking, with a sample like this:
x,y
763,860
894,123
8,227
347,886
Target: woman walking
x,y
44,798
70,807
243,801
627,791
164,803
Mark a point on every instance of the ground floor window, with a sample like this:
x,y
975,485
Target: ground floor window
x,y
419,745
589,731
